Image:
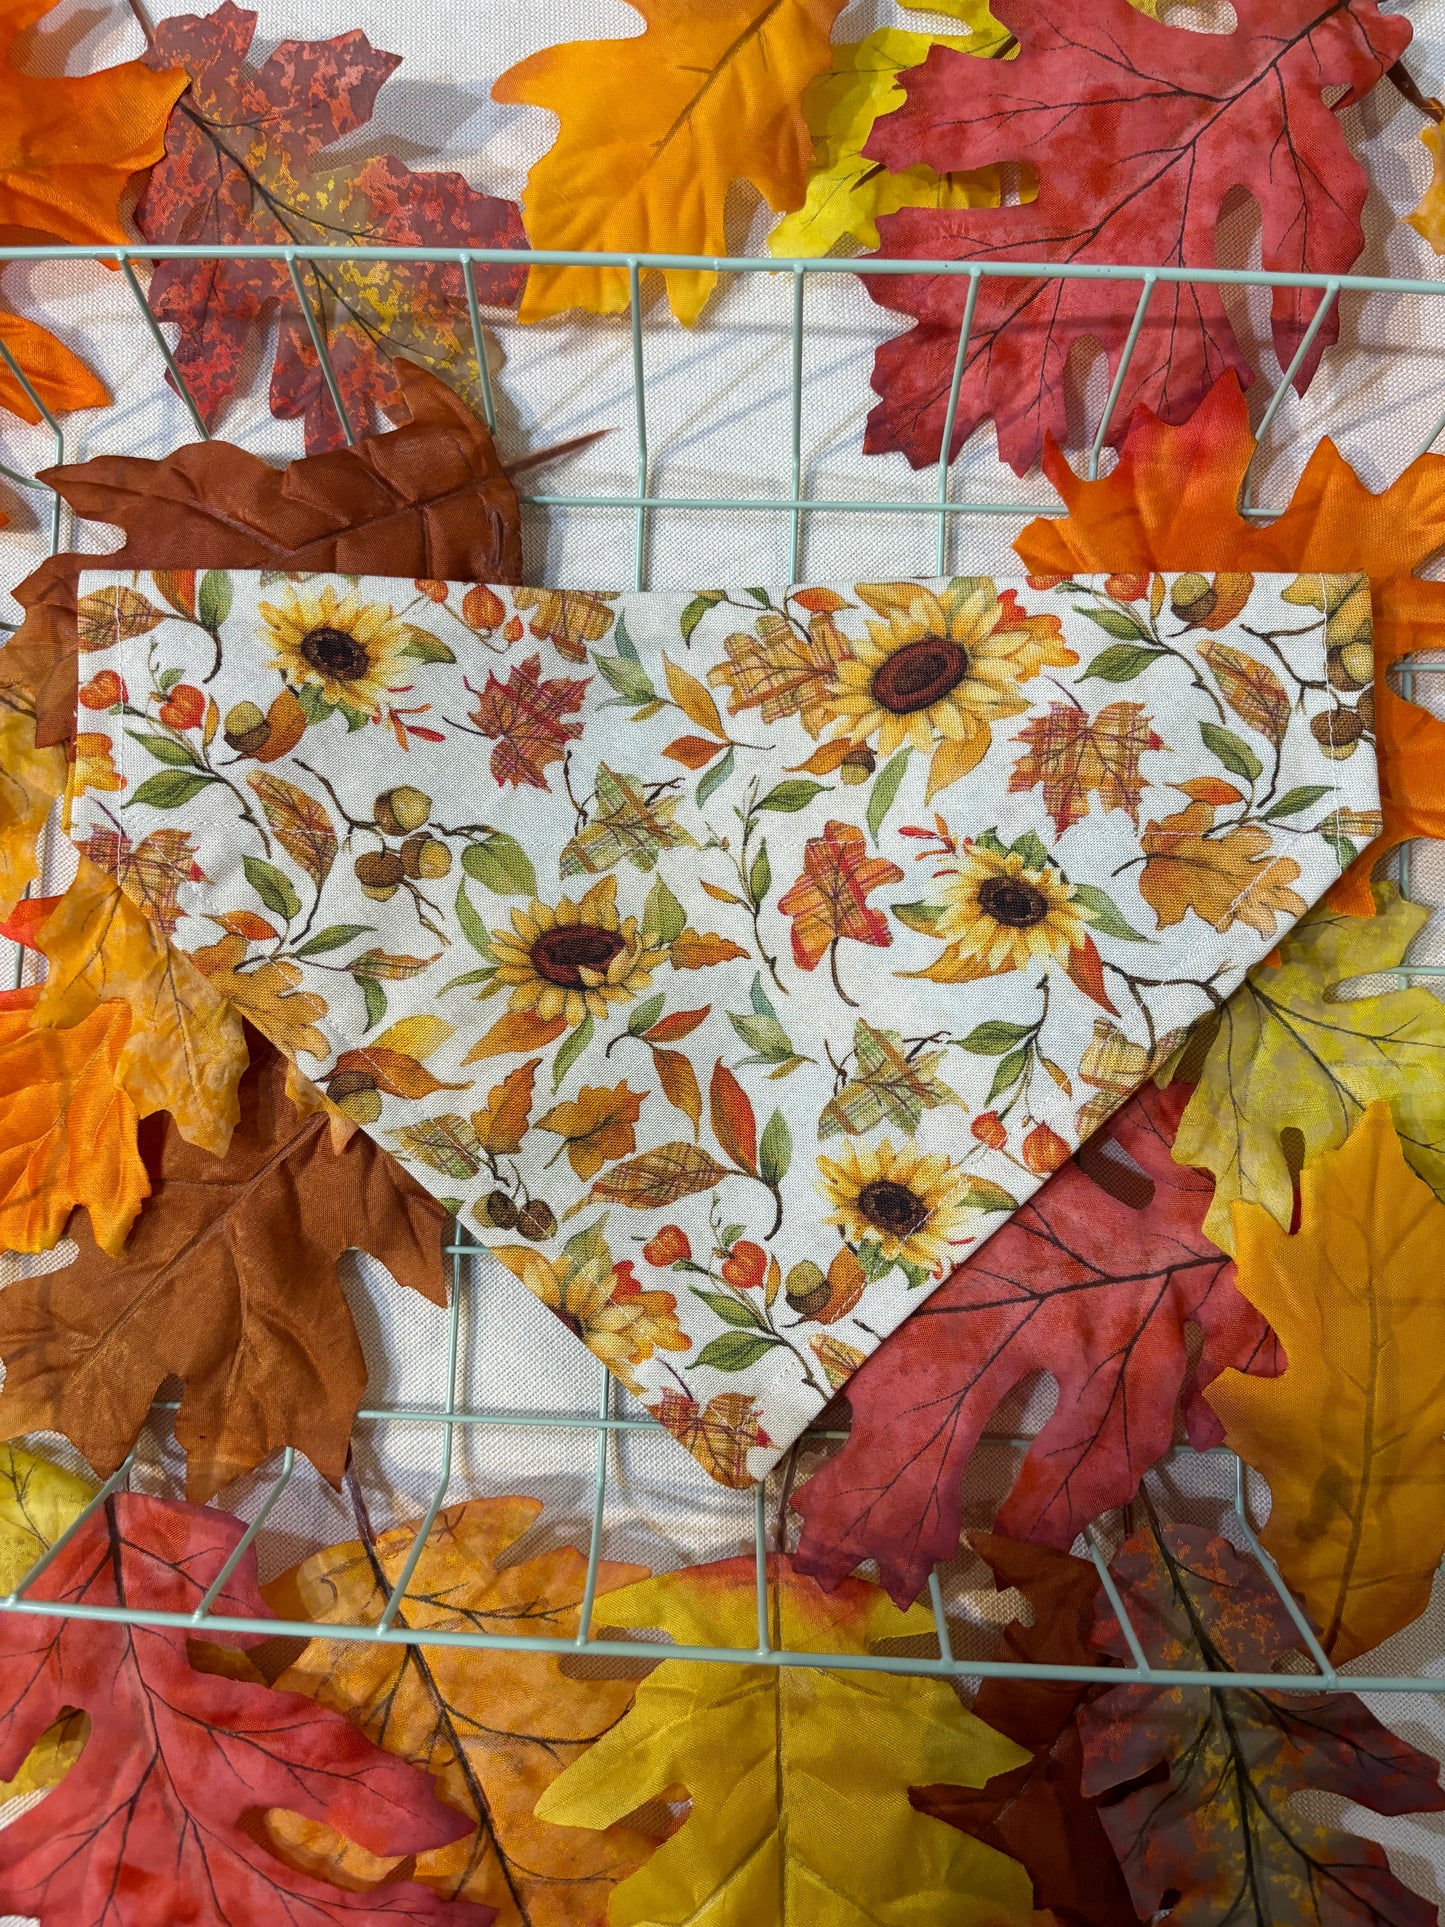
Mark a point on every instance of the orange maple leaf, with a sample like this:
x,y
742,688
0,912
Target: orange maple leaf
x,y
68,149
1071,753
829,900
1172,503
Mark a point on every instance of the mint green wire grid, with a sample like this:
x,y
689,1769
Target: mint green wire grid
x,y
390,1628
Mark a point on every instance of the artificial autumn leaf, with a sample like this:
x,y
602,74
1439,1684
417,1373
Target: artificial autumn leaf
x,y
1201,1781
1071,754
229,1280
493,1729
1172,502
829,901
532,721
69,148
1291,1053
595,1126
847,191
1172,123
246,162
429,499
185,1051
789,1770
1095,1285
30,781
38,1501
654,131
1038,1813
67,1130
151,1822
1349,1436
1232,877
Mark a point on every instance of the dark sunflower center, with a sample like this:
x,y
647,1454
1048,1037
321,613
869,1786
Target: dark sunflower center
x,y
1009,900
920,674
335,654
892,1207
560,956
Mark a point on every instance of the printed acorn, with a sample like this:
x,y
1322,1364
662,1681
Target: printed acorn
x,y
1350,665
246,728
1193,598
1365,710
806,1288
1337,731
380,873
355,1093
498,1210
400,811
536,1220
858,765
425,856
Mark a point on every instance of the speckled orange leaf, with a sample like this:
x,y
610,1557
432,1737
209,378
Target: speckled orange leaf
x,y
1172,503
68,149
654,131
67,1131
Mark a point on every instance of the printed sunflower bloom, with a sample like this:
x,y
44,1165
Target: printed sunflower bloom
x,y
938,670
575,960
619,1323
1000,915
347,648
909,1204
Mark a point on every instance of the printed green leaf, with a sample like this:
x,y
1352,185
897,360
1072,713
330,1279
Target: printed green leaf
x,y
166,749
1122,663
572,1049
213,598
693,614
169,790
732,1311
786,799
1236,755
1105,916
472,927
736,1351
885,787
993,1038
719,774
775,1150
272,886
1115,623
501,865
333,937
423,646
662,914
1009,1072
1295,800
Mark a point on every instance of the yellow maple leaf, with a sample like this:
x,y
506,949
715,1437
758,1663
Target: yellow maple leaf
x,y
798,1778
1349,1436
186,1051
654,131
30,781
69,146
494,1729
67,1130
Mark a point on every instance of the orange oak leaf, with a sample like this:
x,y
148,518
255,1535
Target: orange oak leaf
x,y
1071,754
829,901
701,949
69,146
530,720
1172,502
654,131
67,1130
501,1127
595,1126
1225,877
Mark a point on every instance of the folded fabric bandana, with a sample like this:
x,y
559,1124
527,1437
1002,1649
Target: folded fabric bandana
x,y
735,963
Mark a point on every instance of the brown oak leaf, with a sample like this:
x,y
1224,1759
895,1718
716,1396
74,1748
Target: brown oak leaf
x,y
1225,877
531,721
595,1126
1071,754
829,901
229,1280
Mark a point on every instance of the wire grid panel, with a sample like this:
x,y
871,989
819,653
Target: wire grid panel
x,y
608,1428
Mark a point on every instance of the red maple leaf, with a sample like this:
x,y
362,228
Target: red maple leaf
x,y
149,1824
1137,133
531,719
829,900
244,164
1093,1285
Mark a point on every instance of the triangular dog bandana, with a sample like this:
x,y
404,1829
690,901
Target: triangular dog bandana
x,y
735,962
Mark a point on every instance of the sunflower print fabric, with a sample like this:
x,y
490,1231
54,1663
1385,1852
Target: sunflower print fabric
x,y
733,963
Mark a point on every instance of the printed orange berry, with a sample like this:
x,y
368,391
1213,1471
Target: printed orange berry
x,y
104,689
1044,1150
989,1128
747,1266
184,707
668,1247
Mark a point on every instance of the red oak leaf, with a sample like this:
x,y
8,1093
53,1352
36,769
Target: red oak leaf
x,y
531,719
1092,1284
150,1824
244,163
829,901
1137,132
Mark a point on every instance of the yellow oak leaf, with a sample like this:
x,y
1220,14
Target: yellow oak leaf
x,y
185,1052
67,1130
494,1729
69,146
38,1500
502,1125
791,1770
1292,1053
1349,1436
595,1126
654,131
1228,878
30,781
269,994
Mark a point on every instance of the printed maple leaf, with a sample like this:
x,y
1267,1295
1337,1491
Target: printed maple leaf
x,y
890,1084
430,499
493,1730
788,1769
531,720
151,1822
1071,754
150,872
246,163
628,826
1200,1781
1038,1812
829,901
719,1435
1171,123
1291,1053
1172,502
229,1280
1095,1285
30,781
595,1126
655,129
1349,1436
70,147
784,669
